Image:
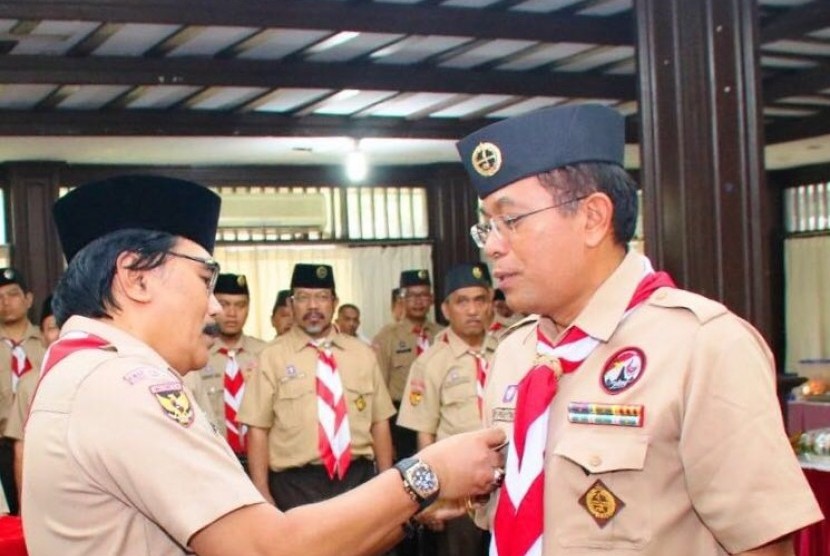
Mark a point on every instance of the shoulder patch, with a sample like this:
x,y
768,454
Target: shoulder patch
x,y
704,309
174,402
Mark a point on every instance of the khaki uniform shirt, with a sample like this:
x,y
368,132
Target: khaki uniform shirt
x,y
117,456
20,405
441,396
710,468
501,325
33,346
395,345
247,350
281,396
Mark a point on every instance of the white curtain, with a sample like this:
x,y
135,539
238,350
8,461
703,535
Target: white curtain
x,y
807,275
363,276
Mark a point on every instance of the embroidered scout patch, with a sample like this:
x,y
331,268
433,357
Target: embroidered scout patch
x,y
601,503
623,369
174,402
587,413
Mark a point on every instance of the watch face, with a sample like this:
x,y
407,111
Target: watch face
x,y
424,480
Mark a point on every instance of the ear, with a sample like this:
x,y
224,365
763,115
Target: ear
x,y
599,211
133,284
29,297
445,310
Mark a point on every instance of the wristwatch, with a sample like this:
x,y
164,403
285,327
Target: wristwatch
x,y
419,481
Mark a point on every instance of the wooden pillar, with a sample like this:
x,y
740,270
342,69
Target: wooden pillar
x,y
710,218
32,188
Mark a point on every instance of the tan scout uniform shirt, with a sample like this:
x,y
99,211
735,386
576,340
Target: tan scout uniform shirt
x,y
20,405
33,346
440,396
247,350
109,469
710,469
395,345
281,396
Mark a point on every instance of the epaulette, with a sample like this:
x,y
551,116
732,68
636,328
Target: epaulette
x,y
703,308
530,319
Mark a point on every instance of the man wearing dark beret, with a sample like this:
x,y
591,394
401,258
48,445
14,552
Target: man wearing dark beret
x,y
446,383
398,344
298,454
119,460
21,352
645,417
503,316
281,316
233,358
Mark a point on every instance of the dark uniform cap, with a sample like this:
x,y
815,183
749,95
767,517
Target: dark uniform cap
x,y
282,300
12,276
178,207
315,276
411,278
46,310
542,140
231,284
466,275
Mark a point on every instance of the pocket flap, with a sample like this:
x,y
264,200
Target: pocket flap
x,y
599,452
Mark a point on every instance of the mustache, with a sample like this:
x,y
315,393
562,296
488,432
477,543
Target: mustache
x,y
314,314
211,330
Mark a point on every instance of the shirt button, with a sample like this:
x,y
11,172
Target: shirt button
x,y
594,461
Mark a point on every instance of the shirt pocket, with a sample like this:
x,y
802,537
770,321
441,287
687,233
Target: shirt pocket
x,y
614,458
295,404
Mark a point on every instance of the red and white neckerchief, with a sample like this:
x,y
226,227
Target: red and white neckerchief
x,y
519,519
423,339
495,326
67,344
333,434
234,387
482,368
20,363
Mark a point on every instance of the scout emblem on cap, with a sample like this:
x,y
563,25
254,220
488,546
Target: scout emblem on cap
x,y
477,273
486,159
601,503
422,274
174,401
321,272
623,369
240,280
8,274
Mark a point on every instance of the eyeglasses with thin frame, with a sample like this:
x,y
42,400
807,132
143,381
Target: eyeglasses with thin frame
x,y
209,263
500,226
319,297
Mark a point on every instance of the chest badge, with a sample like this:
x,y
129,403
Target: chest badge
x,y
174,402
360,403
510,393
601,504
416,391
623,369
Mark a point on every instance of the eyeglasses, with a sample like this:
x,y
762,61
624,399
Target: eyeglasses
x,y
319,297
209,263
502,225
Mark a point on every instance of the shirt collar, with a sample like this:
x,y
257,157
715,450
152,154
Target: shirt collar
x,y
122,342
298,339
459,347
603,313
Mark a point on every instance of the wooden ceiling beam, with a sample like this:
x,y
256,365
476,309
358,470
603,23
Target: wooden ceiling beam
x,y
798,128
318,14
797,22
112,70
796,83
202,123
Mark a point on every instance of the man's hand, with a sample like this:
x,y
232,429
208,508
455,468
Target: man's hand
x,y
467,464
